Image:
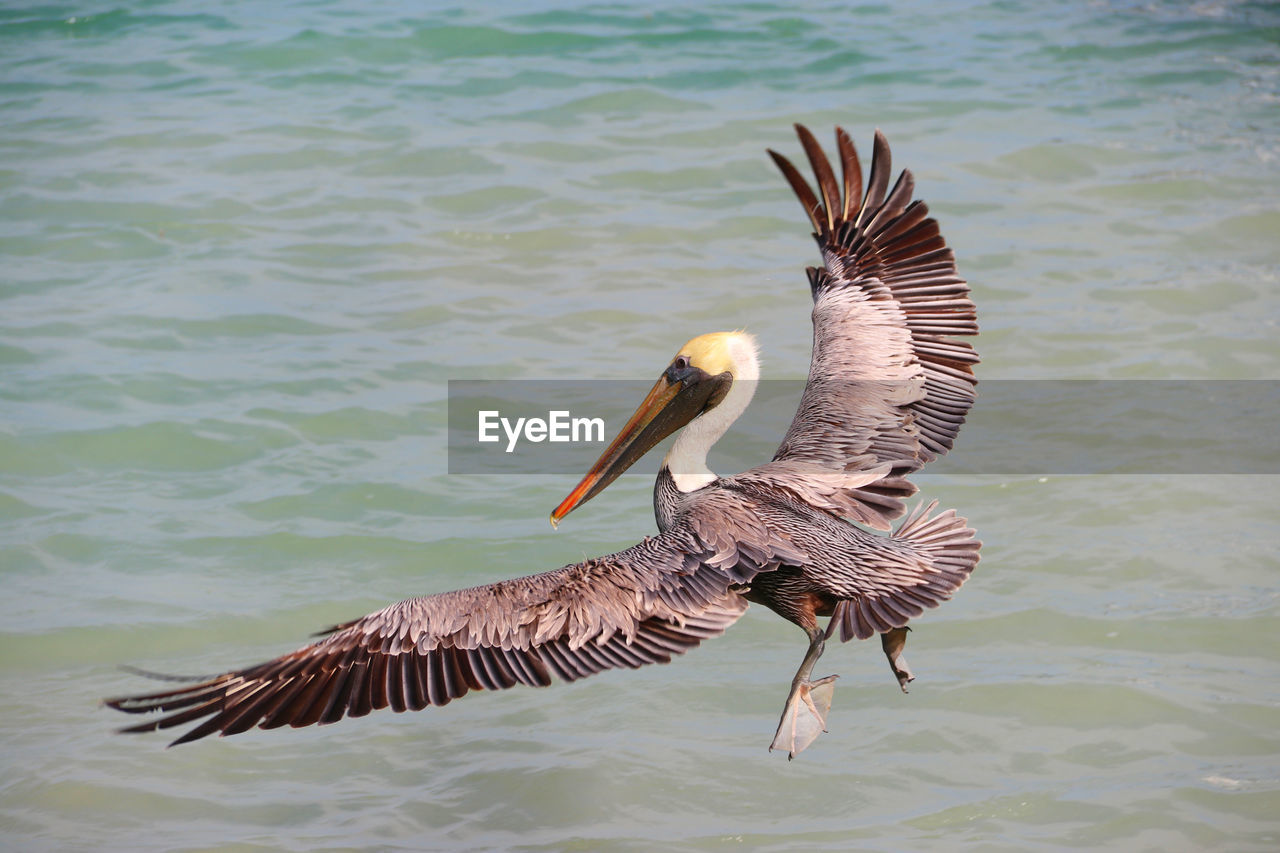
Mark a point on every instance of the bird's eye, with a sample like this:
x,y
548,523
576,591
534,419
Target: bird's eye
x,y
681,362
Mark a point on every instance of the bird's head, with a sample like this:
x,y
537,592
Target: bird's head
x,y
695,382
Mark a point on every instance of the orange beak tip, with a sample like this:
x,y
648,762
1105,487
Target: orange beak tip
x,y
630,444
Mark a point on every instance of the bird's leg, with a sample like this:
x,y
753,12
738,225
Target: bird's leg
x,y
805,715
893,642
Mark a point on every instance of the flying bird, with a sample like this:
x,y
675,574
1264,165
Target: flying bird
x,y
807,534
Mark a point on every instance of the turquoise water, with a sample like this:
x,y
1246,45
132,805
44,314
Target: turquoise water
x,y
245,249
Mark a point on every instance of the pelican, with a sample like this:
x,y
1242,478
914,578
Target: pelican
x,y
807,534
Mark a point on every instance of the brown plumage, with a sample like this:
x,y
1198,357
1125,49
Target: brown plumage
x,y
887,392
887,383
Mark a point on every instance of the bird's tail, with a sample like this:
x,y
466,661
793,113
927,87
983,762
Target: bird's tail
x,y
944,551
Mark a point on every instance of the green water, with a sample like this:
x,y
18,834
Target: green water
x,y
245,247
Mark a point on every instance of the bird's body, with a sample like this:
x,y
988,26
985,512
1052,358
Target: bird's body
x,y
888,390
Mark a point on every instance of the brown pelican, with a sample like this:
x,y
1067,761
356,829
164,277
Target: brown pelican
x,y
887,392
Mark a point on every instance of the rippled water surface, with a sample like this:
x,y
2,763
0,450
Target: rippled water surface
x,y
245,246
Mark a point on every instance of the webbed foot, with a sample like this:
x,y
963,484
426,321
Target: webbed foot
x,y
805,715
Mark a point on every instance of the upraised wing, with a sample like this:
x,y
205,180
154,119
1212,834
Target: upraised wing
x,y
888,384
643,605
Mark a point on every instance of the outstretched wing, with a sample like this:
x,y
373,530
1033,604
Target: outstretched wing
x,y
888,385
656,599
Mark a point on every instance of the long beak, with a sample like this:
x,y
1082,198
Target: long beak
x,y
668,406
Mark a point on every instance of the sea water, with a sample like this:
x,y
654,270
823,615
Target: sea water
x,y
246,246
